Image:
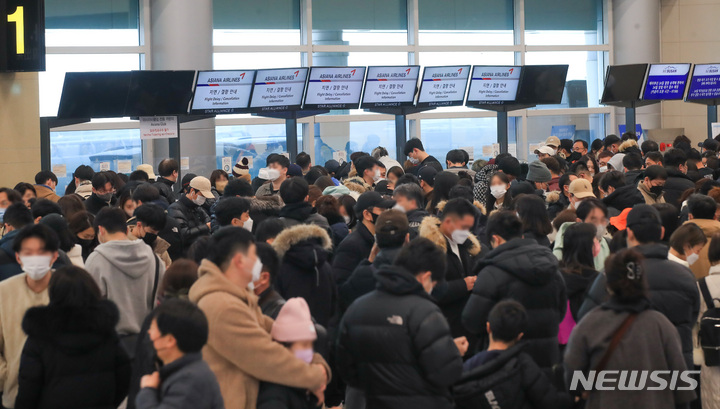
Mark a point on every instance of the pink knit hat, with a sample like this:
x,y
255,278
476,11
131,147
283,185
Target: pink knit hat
x,y
294,322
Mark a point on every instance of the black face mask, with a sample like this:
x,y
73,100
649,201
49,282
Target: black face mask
x,y
375,217
656,190
149,238
574,156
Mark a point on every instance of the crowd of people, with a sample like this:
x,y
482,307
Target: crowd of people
x,y
368,283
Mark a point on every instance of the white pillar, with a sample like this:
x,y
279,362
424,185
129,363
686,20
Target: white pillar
x,y
181,39
636,39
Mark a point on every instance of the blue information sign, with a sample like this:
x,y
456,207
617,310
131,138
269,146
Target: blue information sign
x,y
705,82
666,81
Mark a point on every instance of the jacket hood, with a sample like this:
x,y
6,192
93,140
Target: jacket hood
x,y
441,205
674,173
72,329
430,229
297,211
306,246
396,280
524,259
552,197
357,184
269,205
654,250
624,197
212,280
709,227
128,256
386,256
494,365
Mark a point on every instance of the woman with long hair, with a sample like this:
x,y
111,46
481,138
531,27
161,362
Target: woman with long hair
x,y
72,357
536,223
499,196
577,266
444,181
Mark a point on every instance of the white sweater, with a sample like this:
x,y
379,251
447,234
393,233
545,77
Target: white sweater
x,y
15,298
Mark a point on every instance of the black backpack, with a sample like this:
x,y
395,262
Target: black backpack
x,y
710,327
499,389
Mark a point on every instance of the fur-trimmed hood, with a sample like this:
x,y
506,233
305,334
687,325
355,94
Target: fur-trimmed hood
x,y
72,329
357,184
440,206
552,197
628,144
289,238
430,229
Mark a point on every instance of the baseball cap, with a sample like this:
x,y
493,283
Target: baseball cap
x,y
643,214
294,170
581,188
202,184
553,141
545,150
332,166
147,169
372,199
186,179
391,224
709,145
427,174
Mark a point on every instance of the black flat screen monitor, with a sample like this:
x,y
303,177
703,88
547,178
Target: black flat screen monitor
x,y
222,92
334,88
160,93
94,94
391,86
542,84
623,84
443,86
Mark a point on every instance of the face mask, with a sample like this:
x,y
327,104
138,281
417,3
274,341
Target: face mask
x,y
460,236
414,161
600,232
377,176
305,355
248,225
596,248
691,259
200,200
374,217
575,156
257,269
498,191
399,208
603,169
107,197
657,190
347,219
220,186
273,174
36,267
149,238
2,215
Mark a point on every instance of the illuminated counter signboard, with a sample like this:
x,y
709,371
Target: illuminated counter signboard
x,y
443,86
666,81
222,92
493,85
705,82
278,89
334,88
390,86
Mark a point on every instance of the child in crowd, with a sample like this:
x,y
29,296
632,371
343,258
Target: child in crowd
x,y
178,331
504,376
293,328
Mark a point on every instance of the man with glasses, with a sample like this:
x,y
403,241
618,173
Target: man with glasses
x,y
103,193
580,147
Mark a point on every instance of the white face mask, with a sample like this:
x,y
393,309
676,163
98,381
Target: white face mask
x,y
377,176
600,232
269,174
399,208
414,161
248,224
460,236
603,169
256,271
347,219
691,259
199,200
36,267
498,191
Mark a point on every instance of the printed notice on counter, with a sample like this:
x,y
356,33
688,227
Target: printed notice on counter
x,y
158,127
705,82
390,86
185,163
666,81
279,90
340,156
443,86
104,166
60,170
334,88
124,166
493,85
222,92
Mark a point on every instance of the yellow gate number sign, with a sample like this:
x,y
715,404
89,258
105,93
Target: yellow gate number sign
x,y
18,18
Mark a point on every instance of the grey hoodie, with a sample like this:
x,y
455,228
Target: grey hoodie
x,y
125,272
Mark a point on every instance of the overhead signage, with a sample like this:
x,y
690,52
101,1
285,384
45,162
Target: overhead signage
x,y
158,127
705,82
390,86
222,92
278,89
666,81
334,88
22,35
443,86
493,85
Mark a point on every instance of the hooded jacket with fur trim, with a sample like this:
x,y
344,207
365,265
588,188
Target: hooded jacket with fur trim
x,y
304,271
452,293
240,350
357,184
72,350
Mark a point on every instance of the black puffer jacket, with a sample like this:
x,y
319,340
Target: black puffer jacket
x,y
624,197
72,359
527,272
355,248
94,204
675,185
577,286
165,187
395,345
511,380
362,280
415,217
303,213
191,219
672,291
274,396
304,270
